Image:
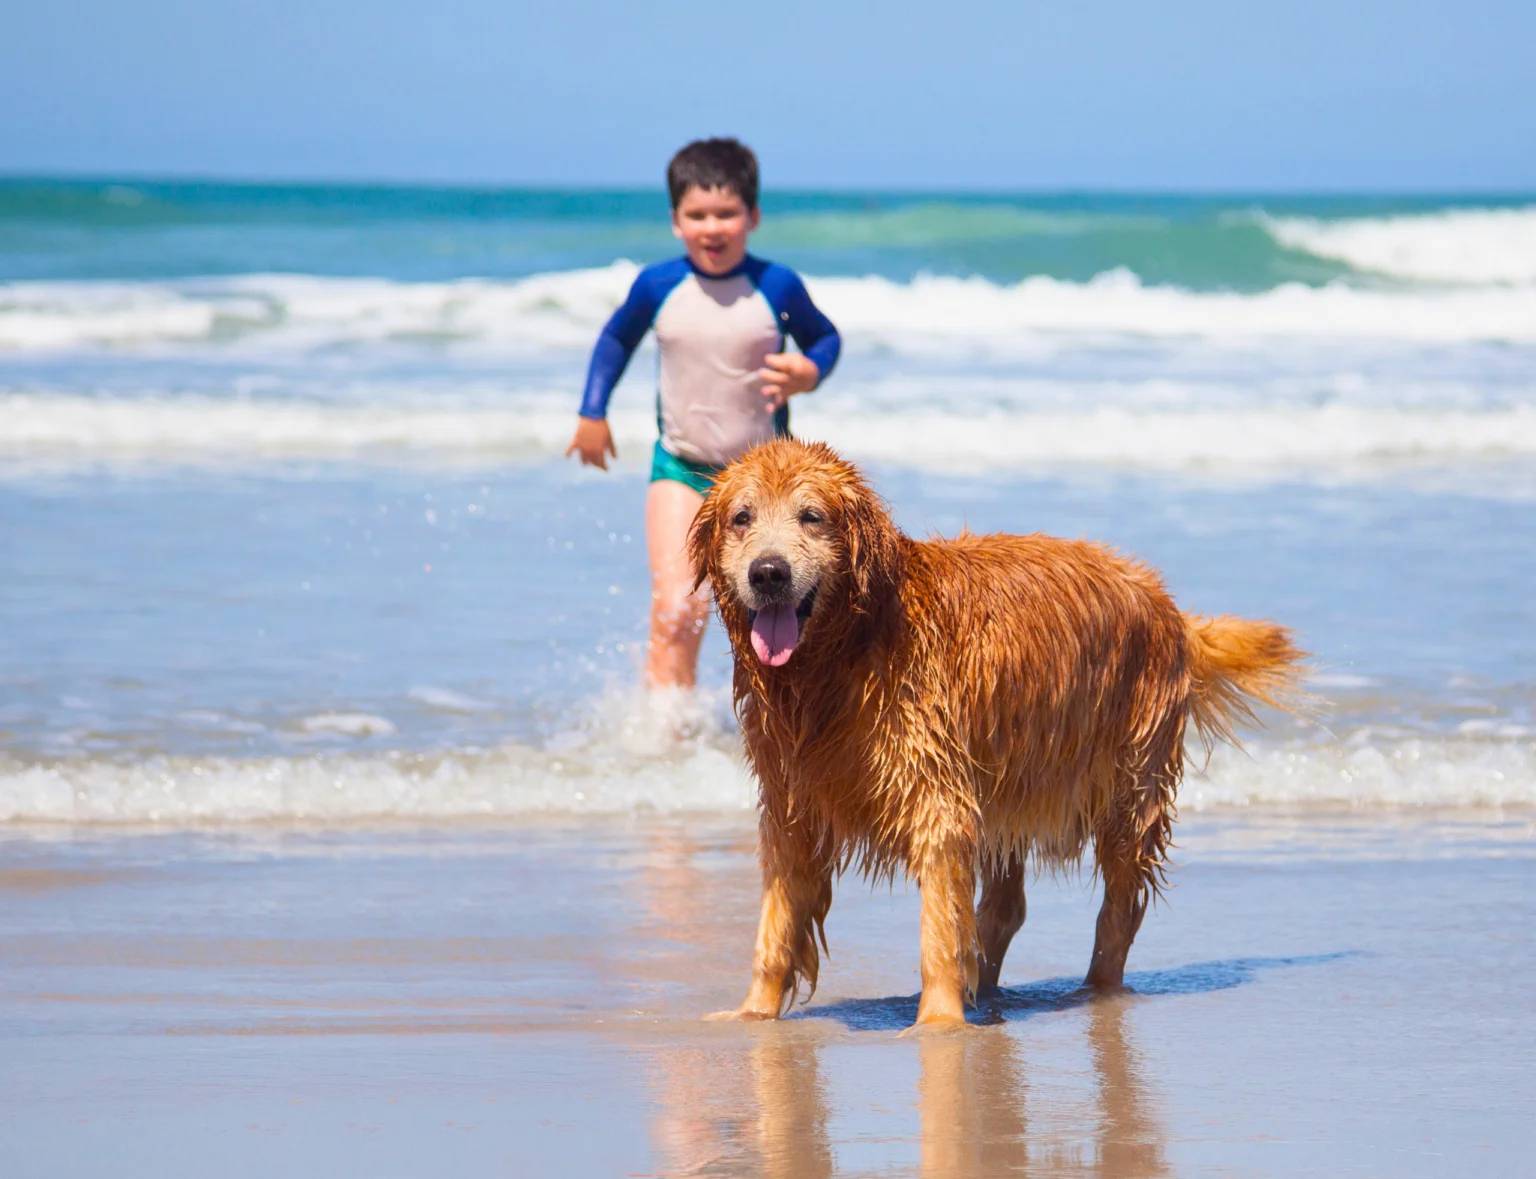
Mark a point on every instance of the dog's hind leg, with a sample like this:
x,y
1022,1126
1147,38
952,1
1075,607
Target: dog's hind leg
x,y
1130,845
998,917
1125,904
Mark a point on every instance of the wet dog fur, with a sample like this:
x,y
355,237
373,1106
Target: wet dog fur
x,y
956,710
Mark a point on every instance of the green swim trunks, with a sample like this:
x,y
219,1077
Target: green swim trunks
x,y
666,465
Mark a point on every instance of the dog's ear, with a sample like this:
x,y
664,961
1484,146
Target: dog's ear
x,y
874,545
701,539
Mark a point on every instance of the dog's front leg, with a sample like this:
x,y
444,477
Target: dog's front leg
x,y
946,874
797,892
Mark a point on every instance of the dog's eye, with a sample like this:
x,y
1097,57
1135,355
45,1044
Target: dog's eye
x,y
742,518
811,516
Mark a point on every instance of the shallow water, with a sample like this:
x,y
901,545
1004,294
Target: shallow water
x,y
335,641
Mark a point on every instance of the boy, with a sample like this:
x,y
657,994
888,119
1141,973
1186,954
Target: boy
x,y
725,380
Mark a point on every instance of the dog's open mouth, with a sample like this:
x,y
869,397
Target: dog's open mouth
x,y
776,629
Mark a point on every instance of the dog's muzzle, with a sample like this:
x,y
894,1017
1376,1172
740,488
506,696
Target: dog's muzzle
x,y
776,617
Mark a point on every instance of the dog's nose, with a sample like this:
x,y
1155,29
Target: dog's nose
x,y
769,574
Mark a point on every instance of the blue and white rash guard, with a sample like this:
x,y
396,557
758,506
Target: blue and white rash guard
x,y
713,333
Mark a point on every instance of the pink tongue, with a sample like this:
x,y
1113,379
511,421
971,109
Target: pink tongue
x,y
775,631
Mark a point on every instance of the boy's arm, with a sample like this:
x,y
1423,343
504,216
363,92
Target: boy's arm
x,y
801,319
617,342
811,330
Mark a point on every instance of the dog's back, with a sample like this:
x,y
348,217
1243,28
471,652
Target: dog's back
x,y
1063,666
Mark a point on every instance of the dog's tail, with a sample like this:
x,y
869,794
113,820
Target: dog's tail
x,y
1234,661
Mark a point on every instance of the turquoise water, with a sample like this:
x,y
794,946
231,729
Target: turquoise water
x,y
288,532
129,230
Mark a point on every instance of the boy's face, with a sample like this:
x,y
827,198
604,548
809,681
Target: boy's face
x,y
713,224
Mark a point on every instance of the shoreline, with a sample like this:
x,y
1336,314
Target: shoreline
x,y
1309,995
1516,819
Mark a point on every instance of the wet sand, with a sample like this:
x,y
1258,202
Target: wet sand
x,y
1320,994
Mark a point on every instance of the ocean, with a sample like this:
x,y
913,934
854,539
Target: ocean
x,y
288,535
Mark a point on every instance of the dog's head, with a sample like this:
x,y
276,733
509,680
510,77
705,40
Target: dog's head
x,y
795,545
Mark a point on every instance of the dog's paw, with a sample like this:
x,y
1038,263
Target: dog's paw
x,y
934,1025
739,1015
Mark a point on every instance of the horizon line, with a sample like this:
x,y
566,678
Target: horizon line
x,y
252,180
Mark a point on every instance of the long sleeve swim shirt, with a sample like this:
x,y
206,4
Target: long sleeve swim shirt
x,y
713,333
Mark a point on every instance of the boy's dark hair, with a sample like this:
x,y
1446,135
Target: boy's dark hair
x,y
714,163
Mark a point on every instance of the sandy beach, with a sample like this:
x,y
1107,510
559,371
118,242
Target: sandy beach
x,y
1321,993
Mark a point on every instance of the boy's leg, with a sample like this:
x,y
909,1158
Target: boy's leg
x,y
678,615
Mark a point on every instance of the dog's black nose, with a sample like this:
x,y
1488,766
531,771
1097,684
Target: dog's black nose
x,y
769,574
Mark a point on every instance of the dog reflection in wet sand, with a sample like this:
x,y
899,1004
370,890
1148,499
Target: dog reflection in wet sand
x,y
986,1106
951,708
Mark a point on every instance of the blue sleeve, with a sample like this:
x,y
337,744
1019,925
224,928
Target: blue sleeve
x,y
798,317
622,334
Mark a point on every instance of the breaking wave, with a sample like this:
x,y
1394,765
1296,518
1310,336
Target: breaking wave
x,y
72,431
702,774
1470,246
301,314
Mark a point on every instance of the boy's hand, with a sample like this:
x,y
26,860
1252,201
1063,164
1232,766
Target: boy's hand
x,y
786,374
594,441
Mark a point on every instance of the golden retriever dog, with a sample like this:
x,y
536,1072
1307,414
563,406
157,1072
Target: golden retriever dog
x,y
955,709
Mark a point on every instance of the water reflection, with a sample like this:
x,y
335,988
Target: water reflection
x,y
760,1101
764,1111
1130,1139
791,1106
979,1117
971,1102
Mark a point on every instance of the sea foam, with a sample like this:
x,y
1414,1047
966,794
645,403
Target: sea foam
x,y
704,774
1449,246
68,432
300,314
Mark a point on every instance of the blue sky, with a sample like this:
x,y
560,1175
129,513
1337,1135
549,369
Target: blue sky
x,y
1186,94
